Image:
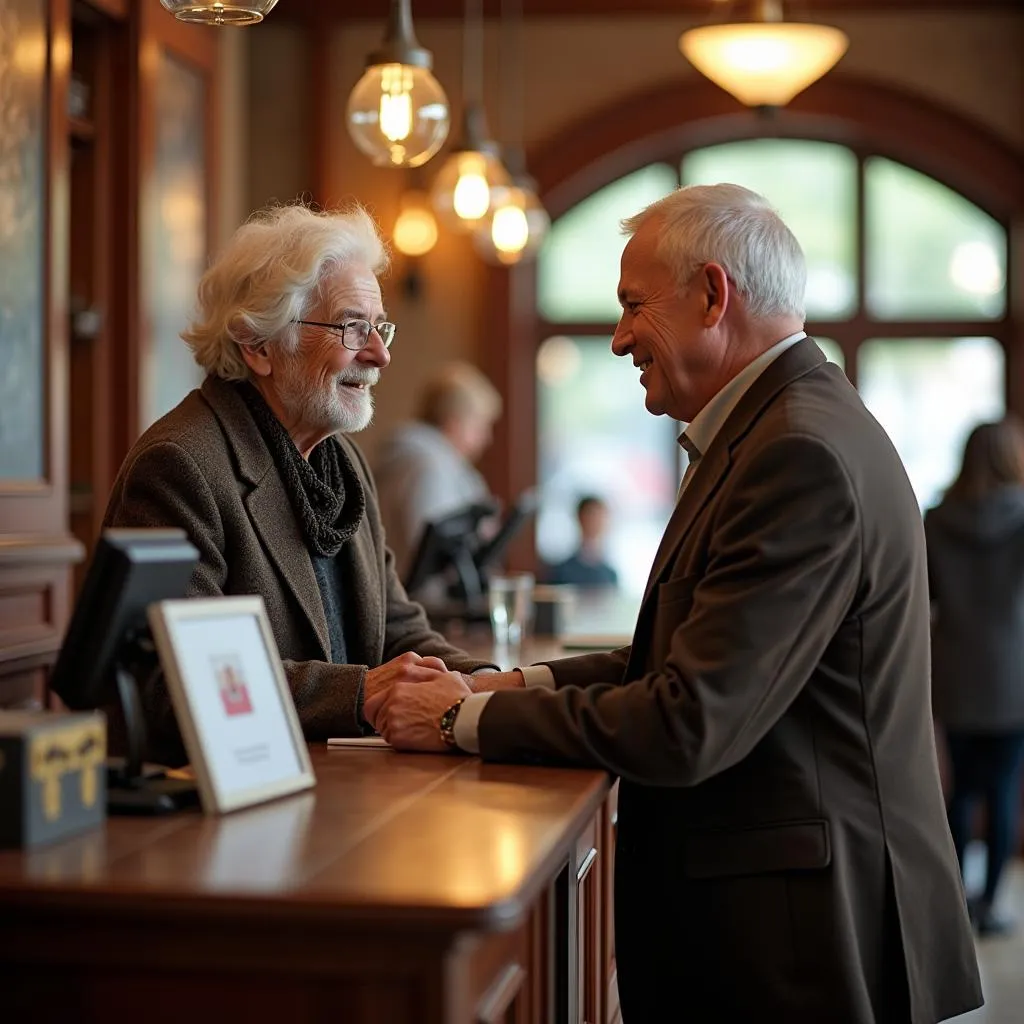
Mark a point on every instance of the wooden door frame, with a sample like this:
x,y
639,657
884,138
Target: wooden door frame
x,y
156,33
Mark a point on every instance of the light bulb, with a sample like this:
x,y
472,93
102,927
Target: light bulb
x,y
415,232
509,229
398,115
472,195
464,188
395,102
516,225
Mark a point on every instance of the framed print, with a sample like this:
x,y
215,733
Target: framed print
x,y
234,708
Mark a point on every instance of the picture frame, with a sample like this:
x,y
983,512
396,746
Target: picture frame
x,y
229,692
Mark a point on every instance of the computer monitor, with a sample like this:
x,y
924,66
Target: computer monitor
x,y
447,548
107,650
453,549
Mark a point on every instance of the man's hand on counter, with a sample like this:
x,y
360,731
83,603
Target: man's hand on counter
x,y
406,668
408,715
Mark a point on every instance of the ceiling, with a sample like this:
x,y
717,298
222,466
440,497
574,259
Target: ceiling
x,y
320,11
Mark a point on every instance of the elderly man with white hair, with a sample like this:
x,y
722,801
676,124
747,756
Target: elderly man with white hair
x,y
257,467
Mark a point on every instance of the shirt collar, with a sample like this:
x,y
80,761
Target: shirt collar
x,y
706,424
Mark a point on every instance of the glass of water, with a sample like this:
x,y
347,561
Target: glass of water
x,y
511,602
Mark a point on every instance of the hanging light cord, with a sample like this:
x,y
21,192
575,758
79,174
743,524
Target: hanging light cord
x,y
473,53
510,70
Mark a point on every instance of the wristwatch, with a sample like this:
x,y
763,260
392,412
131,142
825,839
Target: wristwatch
x,y
447,725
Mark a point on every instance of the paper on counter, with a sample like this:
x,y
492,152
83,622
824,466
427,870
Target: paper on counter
x,y
359,741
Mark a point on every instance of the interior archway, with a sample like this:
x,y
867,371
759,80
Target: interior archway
x,y
666,123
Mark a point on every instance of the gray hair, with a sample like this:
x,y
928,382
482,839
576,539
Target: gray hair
x,y
267,276
738,229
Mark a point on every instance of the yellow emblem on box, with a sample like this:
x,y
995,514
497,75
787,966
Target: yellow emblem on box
x,y
81,748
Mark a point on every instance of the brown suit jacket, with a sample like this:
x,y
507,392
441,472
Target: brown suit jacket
x,y
204,467
783,852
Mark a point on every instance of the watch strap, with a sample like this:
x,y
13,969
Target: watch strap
x,y
447,724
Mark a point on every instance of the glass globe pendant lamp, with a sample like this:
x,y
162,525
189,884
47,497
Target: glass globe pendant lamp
x,y
398,114
228,12
470,179
517,223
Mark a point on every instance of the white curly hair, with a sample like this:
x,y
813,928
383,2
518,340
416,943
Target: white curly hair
x,y
269,274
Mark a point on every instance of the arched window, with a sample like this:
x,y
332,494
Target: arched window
x,y
906,290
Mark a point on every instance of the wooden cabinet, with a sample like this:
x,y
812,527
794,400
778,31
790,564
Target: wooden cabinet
x,y
589,900
404,888
608,971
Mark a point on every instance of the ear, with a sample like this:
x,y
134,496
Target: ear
x,y
716,293
257,358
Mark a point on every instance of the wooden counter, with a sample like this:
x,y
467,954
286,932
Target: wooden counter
x,y
402,888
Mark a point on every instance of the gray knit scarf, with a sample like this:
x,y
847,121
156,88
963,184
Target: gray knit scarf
x,y
326,492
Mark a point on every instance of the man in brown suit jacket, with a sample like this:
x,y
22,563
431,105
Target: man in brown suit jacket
x,y
292,333
782,849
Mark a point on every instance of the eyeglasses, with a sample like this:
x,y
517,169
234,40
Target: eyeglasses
x,y
355,334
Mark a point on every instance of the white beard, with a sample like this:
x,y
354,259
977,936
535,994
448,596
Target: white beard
x,y
334,407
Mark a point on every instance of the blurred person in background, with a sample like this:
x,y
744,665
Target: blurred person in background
x,y
587,567
976,569
425,469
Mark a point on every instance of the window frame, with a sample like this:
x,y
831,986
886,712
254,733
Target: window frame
x,y
665,124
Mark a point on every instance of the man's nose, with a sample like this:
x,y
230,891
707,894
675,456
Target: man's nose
x,y
622,340
374,351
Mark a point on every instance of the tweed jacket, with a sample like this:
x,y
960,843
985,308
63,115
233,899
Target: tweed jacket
x,y
771,723
204,467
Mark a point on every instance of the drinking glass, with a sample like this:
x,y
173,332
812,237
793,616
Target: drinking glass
x,y
511,603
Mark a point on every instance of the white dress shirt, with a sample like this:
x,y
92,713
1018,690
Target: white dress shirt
x,y
698,437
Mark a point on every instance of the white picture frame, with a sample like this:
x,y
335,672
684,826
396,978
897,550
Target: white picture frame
x,y
231,698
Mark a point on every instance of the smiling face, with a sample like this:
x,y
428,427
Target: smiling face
x,y
672,334
323,387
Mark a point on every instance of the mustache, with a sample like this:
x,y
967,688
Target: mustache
x,y
369,375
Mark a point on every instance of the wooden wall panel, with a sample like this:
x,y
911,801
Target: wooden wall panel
x,y
36,551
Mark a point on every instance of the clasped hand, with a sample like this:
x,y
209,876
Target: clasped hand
x,y
404,698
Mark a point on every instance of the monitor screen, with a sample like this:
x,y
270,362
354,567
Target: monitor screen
x,y
129,570
449,543
452,547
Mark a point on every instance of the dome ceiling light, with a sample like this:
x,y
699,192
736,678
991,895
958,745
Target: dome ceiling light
x,y
764,62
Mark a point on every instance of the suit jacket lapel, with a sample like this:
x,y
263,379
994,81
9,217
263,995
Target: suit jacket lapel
x,y
268,505
701,486
795,362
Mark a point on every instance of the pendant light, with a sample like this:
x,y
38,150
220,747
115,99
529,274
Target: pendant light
x,y
245,12
415,230
414,235
398,113
464,188
517,222
764,62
